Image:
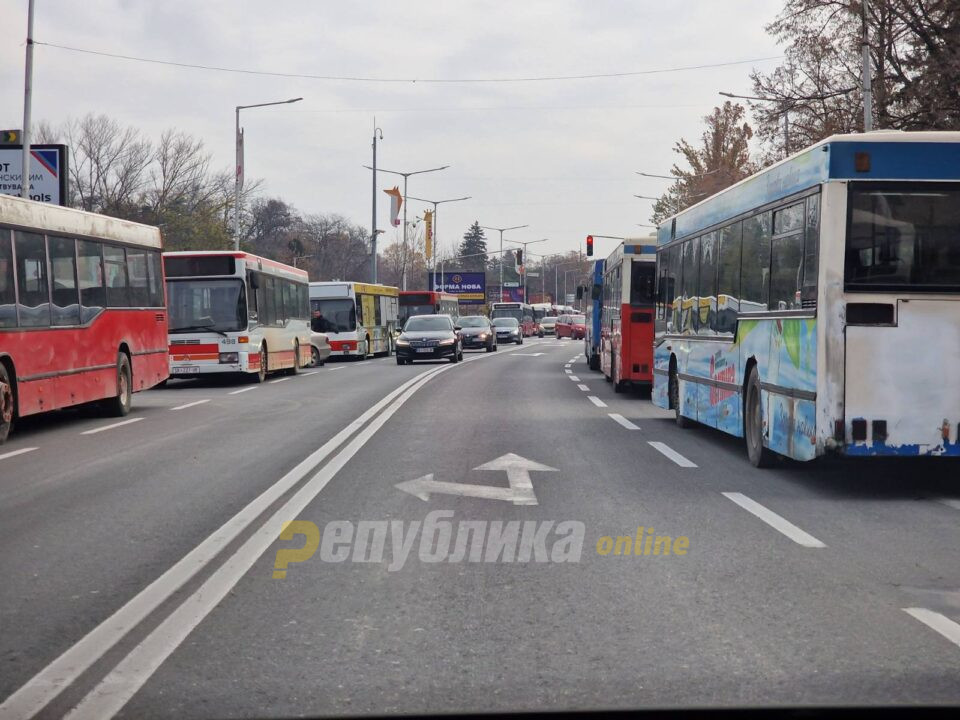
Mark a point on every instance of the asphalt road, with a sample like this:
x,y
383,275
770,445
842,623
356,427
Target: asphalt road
x,y
138,560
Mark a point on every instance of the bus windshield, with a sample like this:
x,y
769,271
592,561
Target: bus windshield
x,y
904,238
508,312
642,283
408,311
203,304
333,315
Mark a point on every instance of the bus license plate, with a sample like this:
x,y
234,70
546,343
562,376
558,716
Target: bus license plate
x,y
185,370
425,350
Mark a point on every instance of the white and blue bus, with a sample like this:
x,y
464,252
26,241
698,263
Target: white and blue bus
x,y
815,306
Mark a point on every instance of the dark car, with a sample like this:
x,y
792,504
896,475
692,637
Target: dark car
x,y
508,330
429,337
477,333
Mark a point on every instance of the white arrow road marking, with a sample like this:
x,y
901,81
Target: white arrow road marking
x,y
518,471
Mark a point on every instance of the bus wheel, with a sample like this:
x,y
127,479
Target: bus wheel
x,y
295,370
760,456
682,420
363,349
261,375
6,403
120,405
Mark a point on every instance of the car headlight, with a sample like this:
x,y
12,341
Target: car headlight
x,y
514,332
451,341
483,336
401,341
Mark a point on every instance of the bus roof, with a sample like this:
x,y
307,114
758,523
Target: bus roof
x,y
248,258
57,220
357,287
443,295
880,155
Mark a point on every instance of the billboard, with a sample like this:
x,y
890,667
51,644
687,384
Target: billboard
x,y
469,287
48,172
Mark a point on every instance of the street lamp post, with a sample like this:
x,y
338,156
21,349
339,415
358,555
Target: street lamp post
x,y
502,231
406,176
239,170
433,259
517,242
373,220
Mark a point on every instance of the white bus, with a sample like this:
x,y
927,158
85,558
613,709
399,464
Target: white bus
x,y
359,319
815,307
233,312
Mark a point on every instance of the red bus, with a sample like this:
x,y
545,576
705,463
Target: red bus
x,y
426,302
82,311
521,312
626,319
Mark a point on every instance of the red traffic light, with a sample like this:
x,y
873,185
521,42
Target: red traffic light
x,y
589,245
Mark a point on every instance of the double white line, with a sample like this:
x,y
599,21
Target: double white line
x,y
113,692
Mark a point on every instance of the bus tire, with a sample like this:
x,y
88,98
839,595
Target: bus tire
x,y
362,354
120,405
295,370
760,456
7,403
261,375
682,420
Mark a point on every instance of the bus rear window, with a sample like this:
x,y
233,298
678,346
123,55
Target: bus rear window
x,y
904,237
642,283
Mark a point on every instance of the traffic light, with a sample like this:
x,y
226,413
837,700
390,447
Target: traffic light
x,y
9,137
519,256
589,245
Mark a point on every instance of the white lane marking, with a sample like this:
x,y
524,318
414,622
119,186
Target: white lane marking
x,y
283,379
775,521
308,373
190,404
567,365
623,421
672,454
935,621
13,453
950,502
111,427
341,367
242,390
596,401
567,370
574,378
584,388
43,687
122,683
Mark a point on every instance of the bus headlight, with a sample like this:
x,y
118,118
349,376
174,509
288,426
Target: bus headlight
x,y
229,358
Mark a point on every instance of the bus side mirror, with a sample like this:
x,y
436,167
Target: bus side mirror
x,y
254,281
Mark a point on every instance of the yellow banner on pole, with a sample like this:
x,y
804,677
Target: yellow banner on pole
x,y
428,233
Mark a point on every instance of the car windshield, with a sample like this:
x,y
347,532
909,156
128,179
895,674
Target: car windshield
x,y
337,315
505,322
548,320
206,305
473,322
428,323
578,319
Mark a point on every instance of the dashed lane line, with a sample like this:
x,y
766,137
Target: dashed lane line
x,y
574,378
665,449
596,401
112,426
623,421
191,404
14,453
242,390
584,388
775,521
937,622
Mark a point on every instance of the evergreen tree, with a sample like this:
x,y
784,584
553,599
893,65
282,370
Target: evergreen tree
x,y
474,244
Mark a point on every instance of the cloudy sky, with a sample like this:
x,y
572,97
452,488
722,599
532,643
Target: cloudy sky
x,y
559,156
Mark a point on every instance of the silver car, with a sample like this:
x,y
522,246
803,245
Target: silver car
x,y
319,349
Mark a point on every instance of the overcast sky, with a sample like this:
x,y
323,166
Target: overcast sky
x,y
559,156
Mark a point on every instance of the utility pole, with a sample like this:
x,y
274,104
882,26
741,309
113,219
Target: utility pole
x,y
867,71
373,219
436,237
502,231
27,106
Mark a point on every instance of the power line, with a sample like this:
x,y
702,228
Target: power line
x,y
348,78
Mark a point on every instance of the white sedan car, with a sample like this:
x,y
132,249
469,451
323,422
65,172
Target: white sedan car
x,y
319,349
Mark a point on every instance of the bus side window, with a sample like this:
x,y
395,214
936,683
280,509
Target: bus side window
x,y
253,282
90,276
8,299
728,278
115,273
755,266
808,291
63,267
34,291
707,302
154,265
